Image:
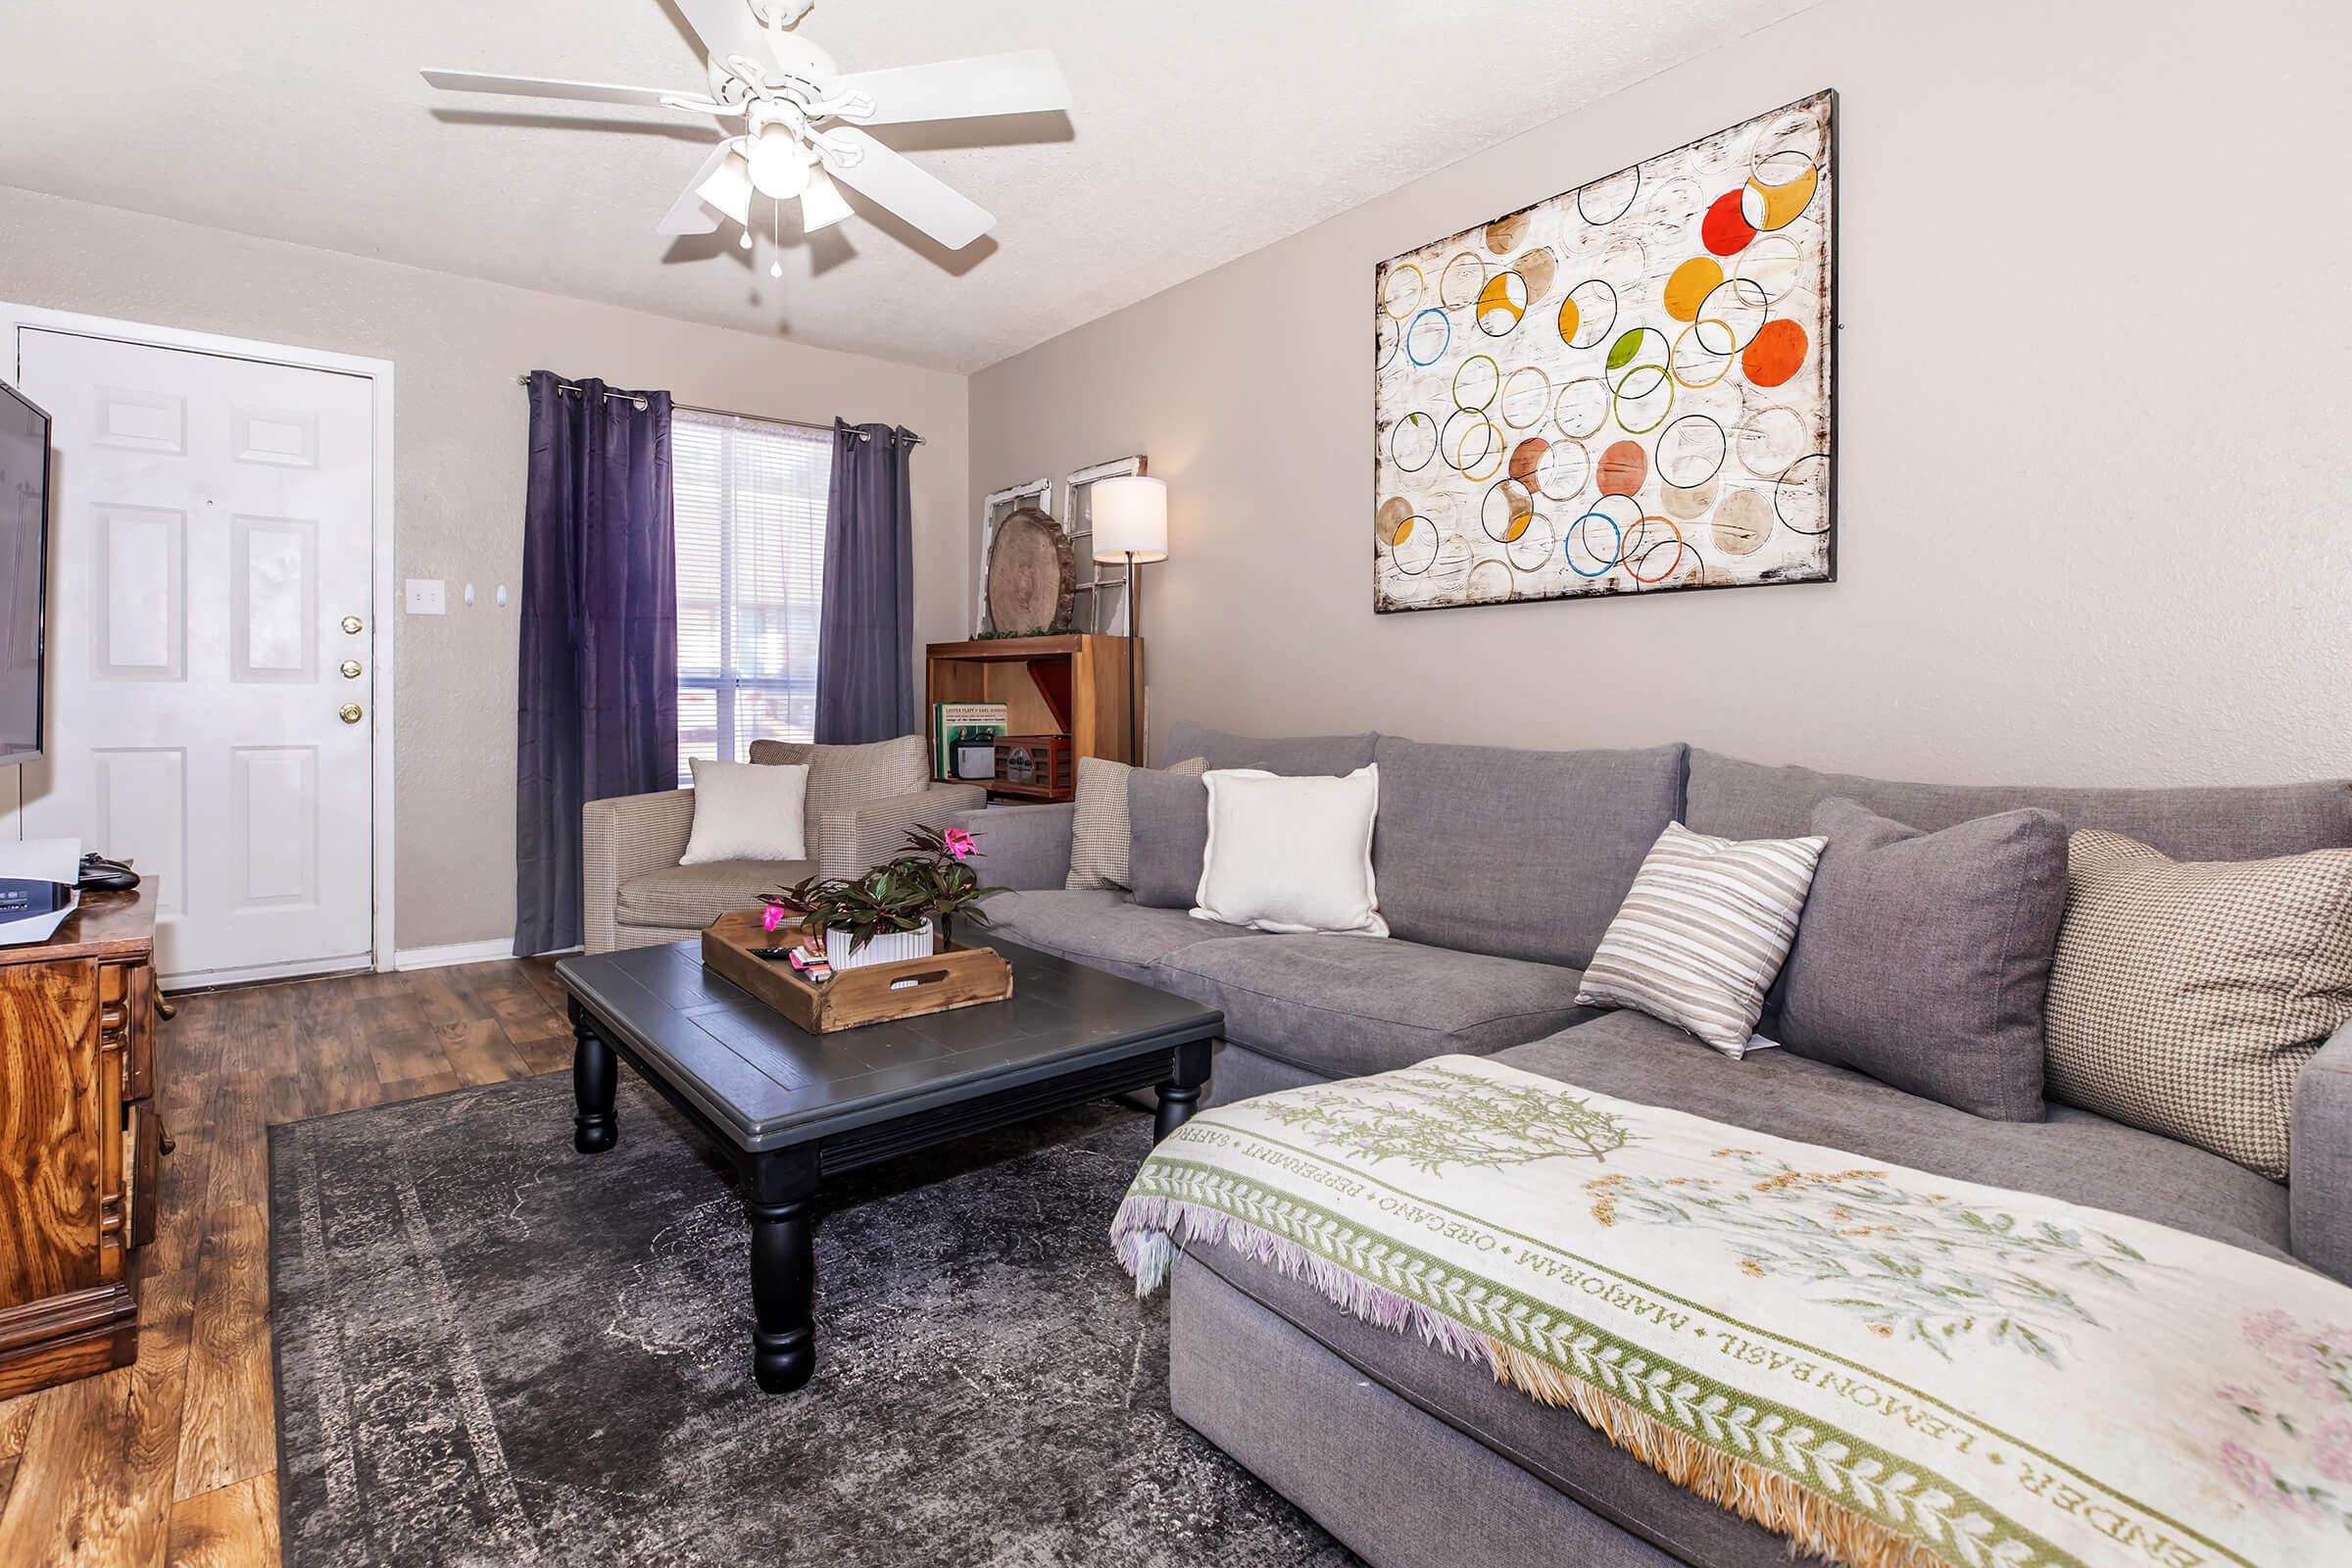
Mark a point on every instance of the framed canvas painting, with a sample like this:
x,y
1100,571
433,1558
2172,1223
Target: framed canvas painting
x,y
1628,388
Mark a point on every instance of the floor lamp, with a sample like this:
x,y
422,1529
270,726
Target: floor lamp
x,y
1130,520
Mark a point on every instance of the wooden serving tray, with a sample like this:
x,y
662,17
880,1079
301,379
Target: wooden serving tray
x,y
879,993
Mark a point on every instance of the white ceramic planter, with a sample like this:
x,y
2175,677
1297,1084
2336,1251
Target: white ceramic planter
x,y
888,948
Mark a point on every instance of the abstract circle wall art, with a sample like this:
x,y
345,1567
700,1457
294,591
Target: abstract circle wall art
x,y
1628,388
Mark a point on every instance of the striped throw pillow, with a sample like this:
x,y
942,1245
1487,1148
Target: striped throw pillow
x,y
1099,830
1703,932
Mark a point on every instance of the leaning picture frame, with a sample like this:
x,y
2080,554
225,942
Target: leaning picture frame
x,y
995,508
1097,586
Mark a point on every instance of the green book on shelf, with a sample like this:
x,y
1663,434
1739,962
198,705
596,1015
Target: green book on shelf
x,y
954,724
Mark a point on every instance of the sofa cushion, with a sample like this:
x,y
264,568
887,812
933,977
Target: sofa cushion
x,y
691,896
1098,927
1525,854
1749,800
2074,1154
1293,754
1344,1006
843,777
1167,838
1923,958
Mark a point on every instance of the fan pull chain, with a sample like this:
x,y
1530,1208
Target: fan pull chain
x,y
775,265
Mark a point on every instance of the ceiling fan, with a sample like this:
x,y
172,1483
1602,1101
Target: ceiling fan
x,y
803,121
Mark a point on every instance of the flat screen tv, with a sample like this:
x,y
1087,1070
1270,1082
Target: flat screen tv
x,y
24,472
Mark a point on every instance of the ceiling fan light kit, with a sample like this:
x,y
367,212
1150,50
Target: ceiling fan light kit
x,y
803,121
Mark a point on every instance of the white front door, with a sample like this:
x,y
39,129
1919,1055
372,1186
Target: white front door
x,y
209,609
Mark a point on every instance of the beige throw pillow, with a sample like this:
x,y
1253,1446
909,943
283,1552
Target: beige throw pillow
x,y
746,811
2187,995
1703,932
1099,831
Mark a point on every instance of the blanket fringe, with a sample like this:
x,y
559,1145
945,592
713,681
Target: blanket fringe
x,y
1149,1231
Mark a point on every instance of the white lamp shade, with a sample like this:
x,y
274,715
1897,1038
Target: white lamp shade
x,y
1131,518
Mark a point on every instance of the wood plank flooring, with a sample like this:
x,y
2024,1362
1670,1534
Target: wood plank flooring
x,y
174,1461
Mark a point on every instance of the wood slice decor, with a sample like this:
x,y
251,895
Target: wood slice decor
x,y
1032,581
879,993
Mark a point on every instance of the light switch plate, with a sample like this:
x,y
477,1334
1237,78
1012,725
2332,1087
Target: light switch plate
x,y
427,596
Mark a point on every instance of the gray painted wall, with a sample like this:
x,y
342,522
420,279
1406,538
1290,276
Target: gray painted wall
x,y
2095,380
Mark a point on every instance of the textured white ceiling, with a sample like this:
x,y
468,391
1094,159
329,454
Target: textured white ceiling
x,y
1201,132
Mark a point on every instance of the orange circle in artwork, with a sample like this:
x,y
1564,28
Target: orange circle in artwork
x,y
1622,468
1726,230
1527,458
1775,354
1688,289
1678,549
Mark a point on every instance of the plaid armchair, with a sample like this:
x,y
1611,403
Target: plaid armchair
x,y
863,800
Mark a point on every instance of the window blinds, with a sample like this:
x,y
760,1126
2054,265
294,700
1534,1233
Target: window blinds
x,y
751,540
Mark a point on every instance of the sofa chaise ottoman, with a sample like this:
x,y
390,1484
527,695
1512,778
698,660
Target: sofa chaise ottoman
x,y
1498,871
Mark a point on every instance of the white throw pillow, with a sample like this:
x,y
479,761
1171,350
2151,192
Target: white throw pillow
x,y
748,812
1703,932
1290,855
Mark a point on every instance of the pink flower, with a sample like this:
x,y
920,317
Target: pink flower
x,y
2331,1450
772,919
2244,1398
958,842
2264,1330
2248,1470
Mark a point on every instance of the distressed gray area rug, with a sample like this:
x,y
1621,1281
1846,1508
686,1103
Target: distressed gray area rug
x,y
492,1350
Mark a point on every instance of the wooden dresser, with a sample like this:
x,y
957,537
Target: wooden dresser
x,y
79,1141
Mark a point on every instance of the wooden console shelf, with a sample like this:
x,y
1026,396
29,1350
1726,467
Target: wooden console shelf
x,y
1071,683
79,1141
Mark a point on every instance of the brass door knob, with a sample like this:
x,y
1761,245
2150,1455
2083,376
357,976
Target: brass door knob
x,y
351,669
351,624
349,713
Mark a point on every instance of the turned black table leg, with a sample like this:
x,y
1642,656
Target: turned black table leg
x,y
594,1127
1180,1095
783,1268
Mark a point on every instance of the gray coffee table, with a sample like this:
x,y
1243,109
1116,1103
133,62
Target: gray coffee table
x,y
791,1108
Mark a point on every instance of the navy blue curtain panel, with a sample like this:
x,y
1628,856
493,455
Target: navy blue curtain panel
x,y
865,637
597,683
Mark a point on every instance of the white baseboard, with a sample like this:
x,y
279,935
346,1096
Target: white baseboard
x,y
454,953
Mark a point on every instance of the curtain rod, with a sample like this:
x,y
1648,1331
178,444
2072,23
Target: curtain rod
x,y
728,414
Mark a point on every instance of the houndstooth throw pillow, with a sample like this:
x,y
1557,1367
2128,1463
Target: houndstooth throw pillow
x,y
2187,995
1702,933
1099,832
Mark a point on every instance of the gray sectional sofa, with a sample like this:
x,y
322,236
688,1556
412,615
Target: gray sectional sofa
x,y
1497,872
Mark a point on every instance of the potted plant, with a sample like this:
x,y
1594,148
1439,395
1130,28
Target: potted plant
x,y
896,910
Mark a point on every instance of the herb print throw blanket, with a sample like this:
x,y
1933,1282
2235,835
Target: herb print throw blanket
x,y
1884,1366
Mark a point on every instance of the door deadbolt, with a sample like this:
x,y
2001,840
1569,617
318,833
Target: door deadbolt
x,y
351,624
351,669
349,713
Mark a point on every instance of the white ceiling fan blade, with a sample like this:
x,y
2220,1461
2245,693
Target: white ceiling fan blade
x,y
930,204
726,27
692,213
1025,82
593,92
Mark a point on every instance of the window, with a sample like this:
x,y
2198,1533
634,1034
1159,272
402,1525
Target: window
x,y
751,527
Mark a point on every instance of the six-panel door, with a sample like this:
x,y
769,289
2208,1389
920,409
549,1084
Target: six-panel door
x,y
212,531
